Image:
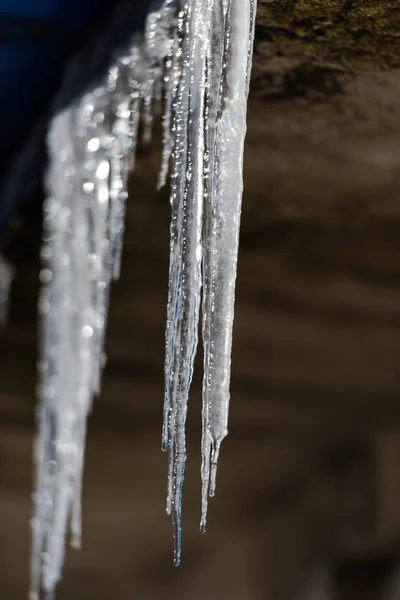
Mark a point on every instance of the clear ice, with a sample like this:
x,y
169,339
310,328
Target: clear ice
x,y
195,55
212,58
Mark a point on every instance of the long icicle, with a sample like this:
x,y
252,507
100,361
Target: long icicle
x,y
186,250
92,145
209,123
229,79
208,45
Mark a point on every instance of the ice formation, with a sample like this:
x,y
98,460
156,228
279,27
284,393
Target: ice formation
x,y
197,54
210,79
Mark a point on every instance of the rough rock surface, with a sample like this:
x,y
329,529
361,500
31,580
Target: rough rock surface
x,y
327,82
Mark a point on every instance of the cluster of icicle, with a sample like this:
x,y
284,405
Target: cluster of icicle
x,y
210,70
196,54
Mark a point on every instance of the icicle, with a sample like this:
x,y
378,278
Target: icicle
x,y
207,83
186,249
171,81
92,145
207,46
171,343
6,277
229,68
159,39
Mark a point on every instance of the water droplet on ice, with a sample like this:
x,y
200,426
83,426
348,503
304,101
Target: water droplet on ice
x,y
93,144
103,170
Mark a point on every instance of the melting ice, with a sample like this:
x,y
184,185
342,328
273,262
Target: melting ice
x,y
210,78
197,54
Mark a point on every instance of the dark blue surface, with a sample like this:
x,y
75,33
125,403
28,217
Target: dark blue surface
x,y
38,41
37,38
32,50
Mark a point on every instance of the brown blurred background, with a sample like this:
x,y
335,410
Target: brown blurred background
x,y
308,500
